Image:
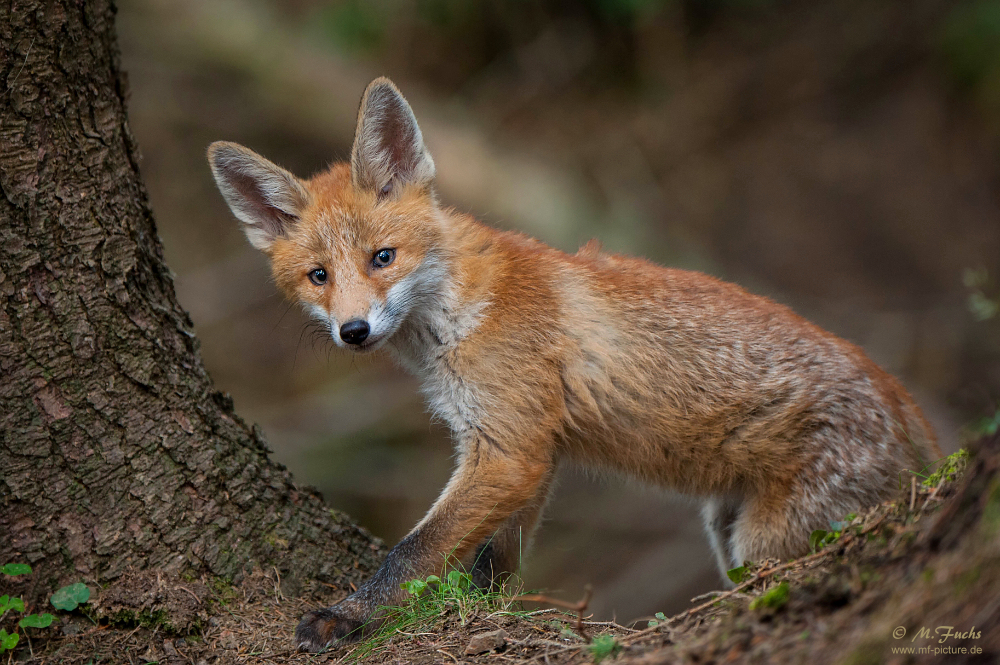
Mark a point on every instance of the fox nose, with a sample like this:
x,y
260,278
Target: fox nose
x,y
354,331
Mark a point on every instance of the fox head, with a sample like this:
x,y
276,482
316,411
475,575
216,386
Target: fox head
x,y
360,244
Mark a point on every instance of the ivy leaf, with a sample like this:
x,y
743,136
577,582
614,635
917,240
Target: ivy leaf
x,y
737,575
414,587
13,569
817,539
458,580
8,642
69,597
36,621
16,604
659,616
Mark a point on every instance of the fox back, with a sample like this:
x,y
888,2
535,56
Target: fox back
x,y
533,356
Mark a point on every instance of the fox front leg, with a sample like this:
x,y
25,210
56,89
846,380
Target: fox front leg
x,y
486,489
499,556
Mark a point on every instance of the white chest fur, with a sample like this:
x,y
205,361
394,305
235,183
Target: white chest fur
x,y
430,346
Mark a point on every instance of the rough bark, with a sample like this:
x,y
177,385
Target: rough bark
x,y
115,449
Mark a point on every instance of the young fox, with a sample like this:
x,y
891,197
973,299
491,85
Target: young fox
x,y
533,356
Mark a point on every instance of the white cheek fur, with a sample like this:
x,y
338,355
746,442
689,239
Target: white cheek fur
x,y
380,321
329,322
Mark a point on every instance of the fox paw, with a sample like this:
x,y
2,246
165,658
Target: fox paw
x,y
319,629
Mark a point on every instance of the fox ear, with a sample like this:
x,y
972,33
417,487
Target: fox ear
x,y
388,146
265,197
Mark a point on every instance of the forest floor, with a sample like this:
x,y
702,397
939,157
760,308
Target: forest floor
x,y
921,573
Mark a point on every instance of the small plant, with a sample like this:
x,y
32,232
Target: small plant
x,y
660,616
70,597
15,569
820,538
775,598
455,584
737,575
431,599
453,592
951,467
603,646
7,604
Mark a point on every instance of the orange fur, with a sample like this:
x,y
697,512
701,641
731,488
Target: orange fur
x,y
533,356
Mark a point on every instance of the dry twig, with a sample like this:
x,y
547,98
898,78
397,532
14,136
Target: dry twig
x,y
579,607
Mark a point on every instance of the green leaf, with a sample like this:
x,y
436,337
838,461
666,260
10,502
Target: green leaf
x,y
817,539
4,603
433,579
16,604
68,597
36,621
661,616
13,569
604,646
8,642
775,598
414,587
737,575
459,580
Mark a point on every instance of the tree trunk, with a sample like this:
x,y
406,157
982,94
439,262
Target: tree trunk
x,y
115,449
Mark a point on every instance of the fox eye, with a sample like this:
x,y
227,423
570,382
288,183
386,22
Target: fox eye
x,y
317,276
383,257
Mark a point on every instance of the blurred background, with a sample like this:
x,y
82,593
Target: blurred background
x,y
839,156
